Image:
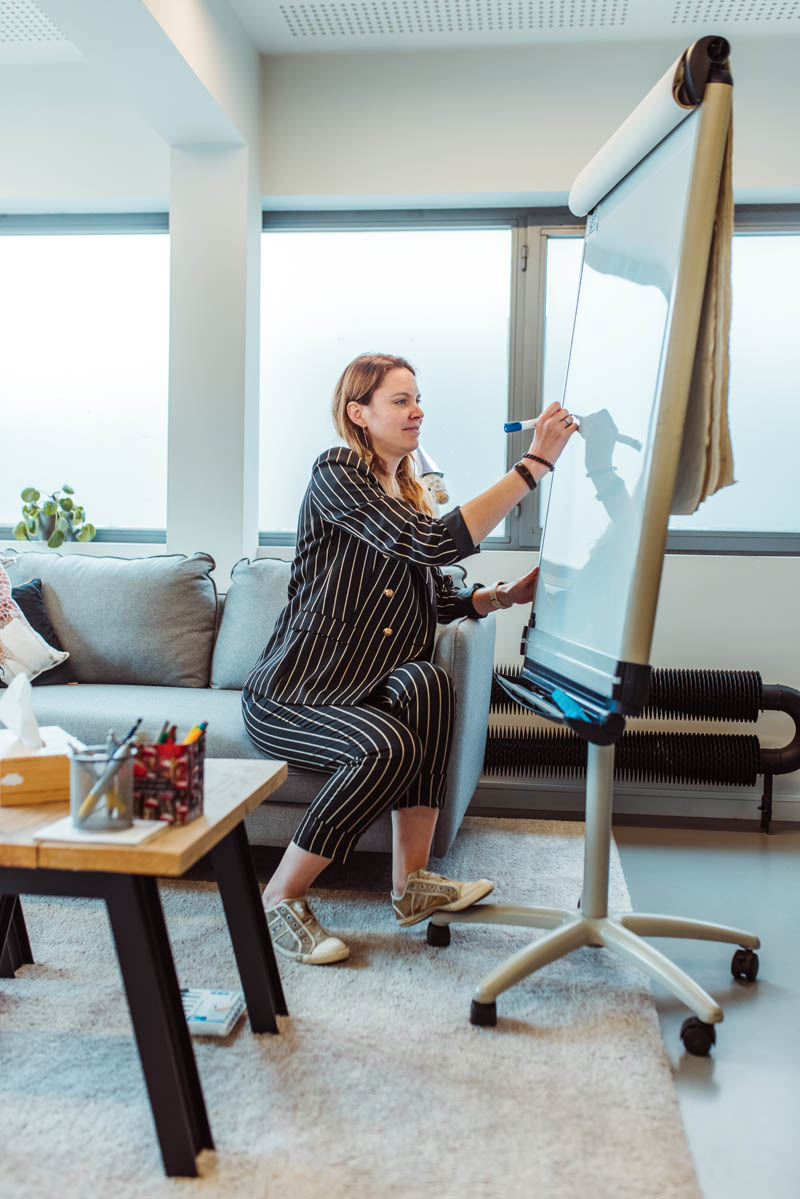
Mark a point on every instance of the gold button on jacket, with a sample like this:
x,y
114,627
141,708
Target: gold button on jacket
x,y
389,592
387,632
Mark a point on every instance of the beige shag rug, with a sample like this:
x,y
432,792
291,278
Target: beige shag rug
x,y
377,1085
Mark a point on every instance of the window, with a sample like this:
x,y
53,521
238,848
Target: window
x,y
764,374
84,339
765,367
440,297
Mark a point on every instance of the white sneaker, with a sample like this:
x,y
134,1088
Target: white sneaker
x,y
296,933
426,893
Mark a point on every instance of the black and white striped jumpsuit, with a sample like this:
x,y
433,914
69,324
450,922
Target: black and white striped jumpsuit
x,y
346,683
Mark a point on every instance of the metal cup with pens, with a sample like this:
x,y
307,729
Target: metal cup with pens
x,y
101,785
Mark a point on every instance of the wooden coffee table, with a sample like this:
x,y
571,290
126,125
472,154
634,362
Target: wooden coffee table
x,y
125,877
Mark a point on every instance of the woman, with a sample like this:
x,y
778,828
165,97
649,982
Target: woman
x,y
346,683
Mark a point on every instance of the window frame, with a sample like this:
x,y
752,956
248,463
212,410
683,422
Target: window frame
x,y
530,230
429,218
82,223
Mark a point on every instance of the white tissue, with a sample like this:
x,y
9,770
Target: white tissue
x,y
16,712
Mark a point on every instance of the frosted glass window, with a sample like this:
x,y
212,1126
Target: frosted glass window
x,y
84,342
564,255
440,298
765,368
763,407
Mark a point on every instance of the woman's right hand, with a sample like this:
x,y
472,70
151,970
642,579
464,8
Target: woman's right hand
x,y
485,511
553,430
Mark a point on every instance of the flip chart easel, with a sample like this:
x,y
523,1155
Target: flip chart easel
x,y
650,195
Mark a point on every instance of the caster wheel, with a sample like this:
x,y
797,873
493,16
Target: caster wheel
x,y
697,1036
745,964
438,934
483,1013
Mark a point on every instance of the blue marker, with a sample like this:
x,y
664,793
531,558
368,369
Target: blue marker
x,y
516,426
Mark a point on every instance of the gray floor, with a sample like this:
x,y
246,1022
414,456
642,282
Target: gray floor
x,y
741,1105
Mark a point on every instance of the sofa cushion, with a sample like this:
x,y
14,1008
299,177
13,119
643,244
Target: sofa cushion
x,y
253,603
129,620
90,710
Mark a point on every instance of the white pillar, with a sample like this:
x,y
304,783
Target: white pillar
x,y
215,232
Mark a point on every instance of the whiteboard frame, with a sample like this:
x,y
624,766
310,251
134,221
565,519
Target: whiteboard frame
x,y
629,677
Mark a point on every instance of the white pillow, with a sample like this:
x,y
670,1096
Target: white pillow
x,y
23,651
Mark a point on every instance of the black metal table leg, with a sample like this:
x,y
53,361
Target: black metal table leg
x,y
151,985
247,924
15,948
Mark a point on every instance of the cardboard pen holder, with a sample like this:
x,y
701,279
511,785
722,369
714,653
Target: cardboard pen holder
x,y
168,781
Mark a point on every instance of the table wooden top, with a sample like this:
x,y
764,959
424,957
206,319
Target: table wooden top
x,y
233,787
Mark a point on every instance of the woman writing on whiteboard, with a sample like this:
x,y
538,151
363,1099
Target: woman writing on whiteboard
x,y
346,683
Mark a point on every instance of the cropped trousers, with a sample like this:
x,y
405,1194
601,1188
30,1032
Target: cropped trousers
x,y
387,753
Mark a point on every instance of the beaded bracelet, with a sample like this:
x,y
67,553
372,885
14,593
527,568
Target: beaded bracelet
x,y
536,458
522,470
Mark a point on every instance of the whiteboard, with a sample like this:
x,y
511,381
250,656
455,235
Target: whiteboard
x,y
642,278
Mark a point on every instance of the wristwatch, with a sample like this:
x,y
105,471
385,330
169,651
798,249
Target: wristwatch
x,y
493,599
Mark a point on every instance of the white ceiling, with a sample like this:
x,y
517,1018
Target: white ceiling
x,y
27,35
301,26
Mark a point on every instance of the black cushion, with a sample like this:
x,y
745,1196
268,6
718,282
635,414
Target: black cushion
x,y
30,598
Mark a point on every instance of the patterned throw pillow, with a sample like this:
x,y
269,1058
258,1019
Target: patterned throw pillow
x,y
22,650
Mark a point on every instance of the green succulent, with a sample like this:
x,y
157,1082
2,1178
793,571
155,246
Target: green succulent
x,y
56,520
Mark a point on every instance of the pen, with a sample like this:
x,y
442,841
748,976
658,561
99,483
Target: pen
x,y
195,733
162,736
516,426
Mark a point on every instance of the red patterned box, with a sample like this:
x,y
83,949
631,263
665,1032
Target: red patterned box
x,y
168,781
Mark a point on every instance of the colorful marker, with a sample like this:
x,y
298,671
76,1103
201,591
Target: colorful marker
x,y
195,733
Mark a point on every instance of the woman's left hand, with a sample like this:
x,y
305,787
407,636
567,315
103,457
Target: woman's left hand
x,y
521,591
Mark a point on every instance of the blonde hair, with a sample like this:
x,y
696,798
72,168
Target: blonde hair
x,y
358,382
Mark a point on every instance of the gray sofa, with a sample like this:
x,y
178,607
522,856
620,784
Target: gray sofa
x,y
152,637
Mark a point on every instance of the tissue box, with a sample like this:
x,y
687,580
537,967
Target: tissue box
x,y
31,776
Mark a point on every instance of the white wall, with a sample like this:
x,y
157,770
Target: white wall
x,y
70,143
487,126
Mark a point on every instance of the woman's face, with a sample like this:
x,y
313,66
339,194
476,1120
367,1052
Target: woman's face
x,y
394,415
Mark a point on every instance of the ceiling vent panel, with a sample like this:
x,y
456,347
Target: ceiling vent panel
x,y
384,18
716,12
23,22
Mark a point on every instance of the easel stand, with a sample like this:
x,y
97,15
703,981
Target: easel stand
x,y
593,925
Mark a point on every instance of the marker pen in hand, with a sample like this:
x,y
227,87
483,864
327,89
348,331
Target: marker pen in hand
x,y
517,426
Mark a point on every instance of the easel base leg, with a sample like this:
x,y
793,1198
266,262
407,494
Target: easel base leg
x,y
620,934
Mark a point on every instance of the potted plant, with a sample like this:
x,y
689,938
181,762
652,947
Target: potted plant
x,y
56,520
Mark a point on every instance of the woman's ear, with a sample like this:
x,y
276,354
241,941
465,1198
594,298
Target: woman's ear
x,y
355,414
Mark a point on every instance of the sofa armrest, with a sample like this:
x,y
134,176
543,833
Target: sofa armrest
x,y
465,648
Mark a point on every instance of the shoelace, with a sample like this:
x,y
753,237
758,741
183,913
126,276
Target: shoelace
x,y
431,876
310,921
